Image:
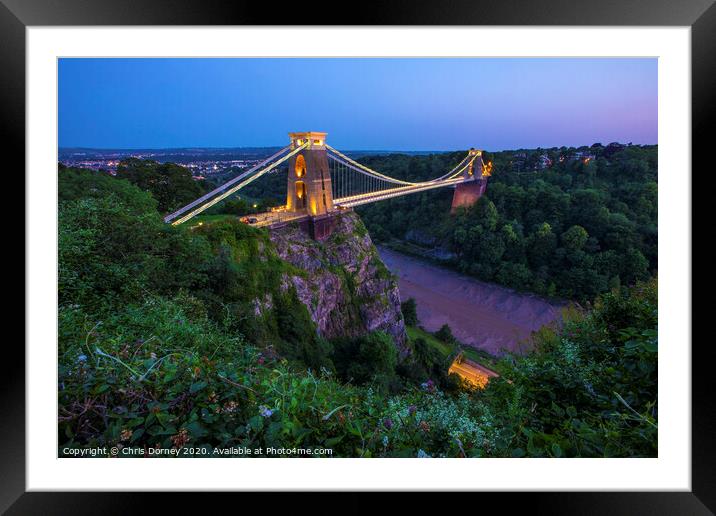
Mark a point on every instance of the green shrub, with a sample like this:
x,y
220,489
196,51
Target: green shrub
x,y
590,389
445,334
162,374
112,253
410,312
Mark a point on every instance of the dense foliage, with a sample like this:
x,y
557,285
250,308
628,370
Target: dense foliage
x,y
573,229
410,312
589,389
162,346
171,185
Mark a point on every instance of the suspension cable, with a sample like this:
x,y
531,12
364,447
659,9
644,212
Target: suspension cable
x,y
454,169
363,169
350,197
239,186
356,200
224,186
366,171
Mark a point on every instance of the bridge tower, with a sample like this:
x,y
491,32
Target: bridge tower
x,y
309,188
466,194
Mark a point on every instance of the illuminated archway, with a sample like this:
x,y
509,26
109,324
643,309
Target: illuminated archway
x,y
300,167
301,194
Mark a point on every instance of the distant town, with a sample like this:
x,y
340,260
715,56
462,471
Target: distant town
x,y
203,162
214,163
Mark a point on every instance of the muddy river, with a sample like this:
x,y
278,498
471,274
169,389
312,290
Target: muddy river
x,y
481,315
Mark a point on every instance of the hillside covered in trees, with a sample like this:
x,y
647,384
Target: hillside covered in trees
x,y
563,222
162,346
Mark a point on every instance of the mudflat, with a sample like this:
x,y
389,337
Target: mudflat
x,y
482,315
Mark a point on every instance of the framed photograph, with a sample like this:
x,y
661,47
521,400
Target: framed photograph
x,y
421,248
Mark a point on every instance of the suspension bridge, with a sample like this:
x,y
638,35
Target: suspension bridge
x,y
322,181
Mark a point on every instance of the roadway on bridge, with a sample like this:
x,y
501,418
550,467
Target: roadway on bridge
x,y
268,219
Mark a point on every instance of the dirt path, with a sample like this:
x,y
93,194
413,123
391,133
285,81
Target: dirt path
x,y
482,315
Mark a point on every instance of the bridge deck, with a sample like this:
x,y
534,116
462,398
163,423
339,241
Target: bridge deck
x,y
271,219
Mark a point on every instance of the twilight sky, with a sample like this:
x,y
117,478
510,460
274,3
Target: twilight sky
x,y
375,104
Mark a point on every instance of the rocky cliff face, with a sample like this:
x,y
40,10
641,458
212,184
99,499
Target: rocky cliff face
x,y
342,281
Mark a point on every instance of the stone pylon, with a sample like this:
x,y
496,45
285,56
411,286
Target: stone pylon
x,y
467,193
309,188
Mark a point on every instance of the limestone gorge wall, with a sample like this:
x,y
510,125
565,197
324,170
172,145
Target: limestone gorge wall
x,y
343,282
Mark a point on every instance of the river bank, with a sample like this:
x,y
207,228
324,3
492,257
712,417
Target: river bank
x,y
481,315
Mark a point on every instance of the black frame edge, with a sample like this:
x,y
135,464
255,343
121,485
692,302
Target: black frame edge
x,y
703,112
12,134
700,14
387,12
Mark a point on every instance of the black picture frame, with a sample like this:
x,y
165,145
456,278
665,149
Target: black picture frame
x,y
700,15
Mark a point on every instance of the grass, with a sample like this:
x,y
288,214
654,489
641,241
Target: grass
x,y
210,218
481,357
444,348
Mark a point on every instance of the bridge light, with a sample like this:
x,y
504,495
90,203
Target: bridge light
x,y
300,166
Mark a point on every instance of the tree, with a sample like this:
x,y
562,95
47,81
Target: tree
x,y
82,183
378,352
171,185
543,245
445,334
486,212
514,275
575,238
620,234
374,355
634,267
111,254
410,313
